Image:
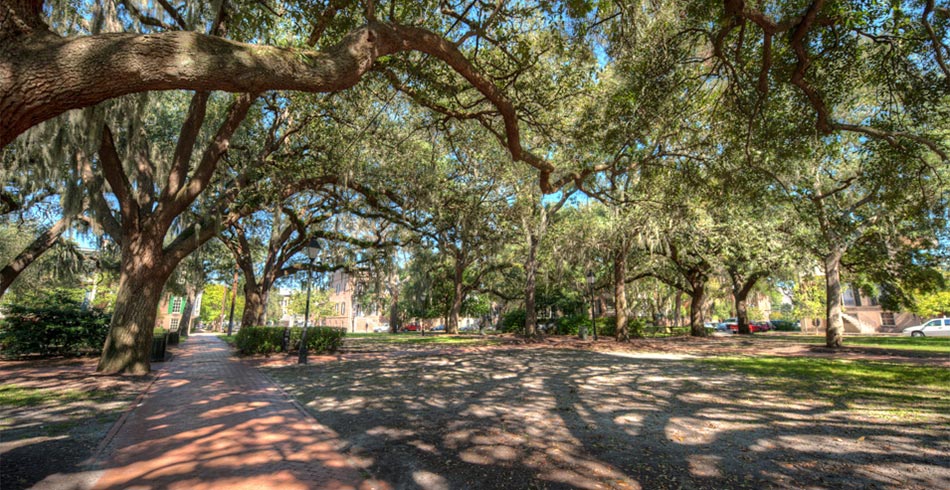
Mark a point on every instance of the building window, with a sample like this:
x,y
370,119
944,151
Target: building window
x,y
343,309
173,324
887,319
176,304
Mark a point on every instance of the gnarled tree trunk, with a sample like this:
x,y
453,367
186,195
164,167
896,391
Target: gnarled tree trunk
x,y
255,305
697,297
128,345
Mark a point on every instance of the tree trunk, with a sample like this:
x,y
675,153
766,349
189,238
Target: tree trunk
x,y
620,295
677,301
697,298
530,309
453,316
833,318
742,313
394,311
33,251
191,294
128,345
255,305
740,293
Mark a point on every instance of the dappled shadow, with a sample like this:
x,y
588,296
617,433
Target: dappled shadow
x,y
213,423
55,412
538,418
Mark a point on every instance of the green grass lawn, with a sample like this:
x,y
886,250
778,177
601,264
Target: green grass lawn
x,y
19,396
415,338
927,344
227,338
866,386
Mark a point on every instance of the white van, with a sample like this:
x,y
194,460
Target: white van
x,y
938,327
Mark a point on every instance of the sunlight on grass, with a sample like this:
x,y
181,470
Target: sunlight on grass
x,y
893,390
18,396
925,344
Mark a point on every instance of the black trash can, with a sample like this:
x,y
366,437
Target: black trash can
x,y
174,337
159,344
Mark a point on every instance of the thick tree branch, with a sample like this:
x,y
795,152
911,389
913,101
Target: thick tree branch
x,y
118,181
41,78
181,162
185,195
33,251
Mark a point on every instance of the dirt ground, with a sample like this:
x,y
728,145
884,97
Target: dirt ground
x,y
44,442
651,415
558,413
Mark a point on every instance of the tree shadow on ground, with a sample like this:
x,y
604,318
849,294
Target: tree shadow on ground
x,y
53,415
569,419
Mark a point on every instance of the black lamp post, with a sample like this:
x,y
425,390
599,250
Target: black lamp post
x,y
590,289
311,250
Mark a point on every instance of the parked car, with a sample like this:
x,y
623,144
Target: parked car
x,y
760,326
785,326
411,327
729,324
437,328
384,327
733,325
938,327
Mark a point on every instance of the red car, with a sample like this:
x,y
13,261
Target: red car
x,y
753,327
411,327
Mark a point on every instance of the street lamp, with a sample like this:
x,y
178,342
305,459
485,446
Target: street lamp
x,y
311,250
590,289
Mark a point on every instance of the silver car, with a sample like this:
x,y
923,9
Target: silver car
x,y
938,327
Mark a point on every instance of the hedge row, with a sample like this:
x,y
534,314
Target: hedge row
x,y
268,340
60,327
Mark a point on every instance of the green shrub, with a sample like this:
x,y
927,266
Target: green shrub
x,y
58,326
569,324
268,340
259,340
319,339
513,321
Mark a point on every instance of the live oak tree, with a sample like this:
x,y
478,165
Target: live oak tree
x,y
148,207
875,73
46,74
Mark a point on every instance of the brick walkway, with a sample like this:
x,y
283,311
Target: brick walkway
x,y
212,422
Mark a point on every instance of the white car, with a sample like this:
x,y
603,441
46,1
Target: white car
x,y
938,327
